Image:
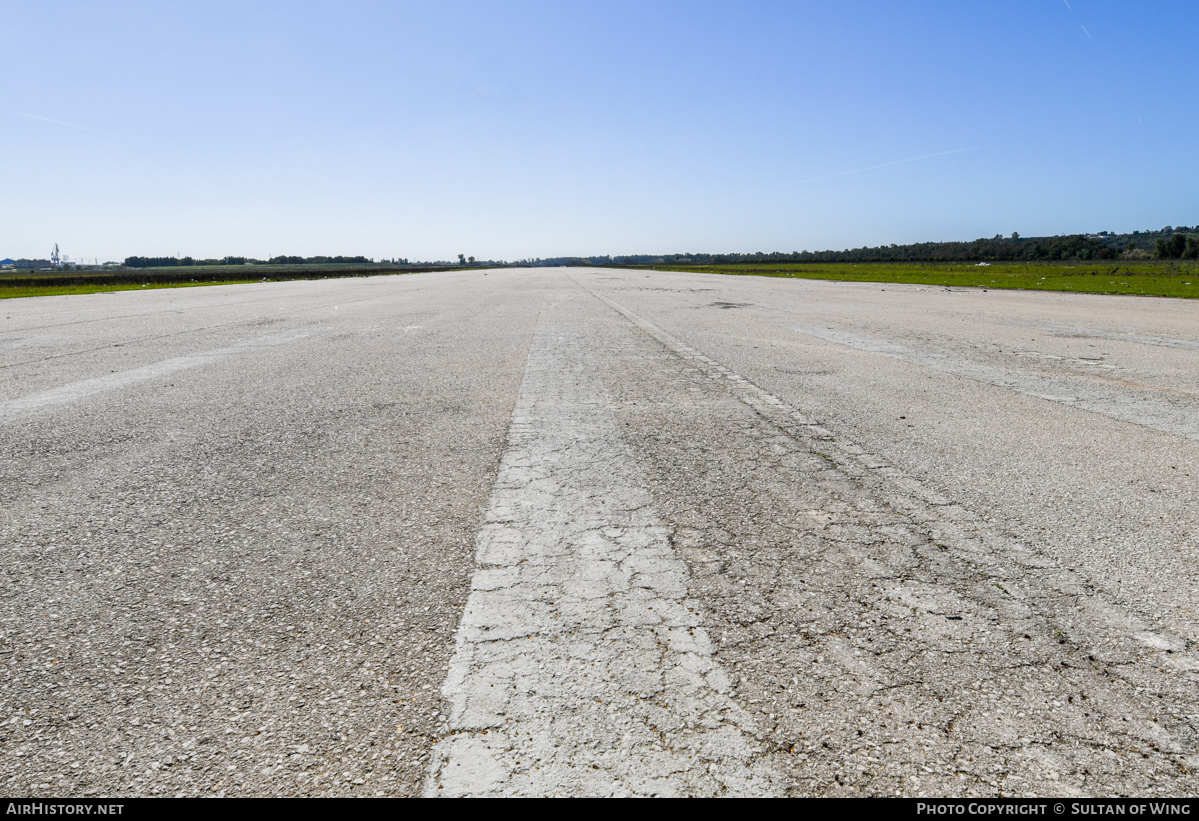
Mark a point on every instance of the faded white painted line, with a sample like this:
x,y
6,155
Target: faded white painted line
x,y
14,409
1178,418
581,665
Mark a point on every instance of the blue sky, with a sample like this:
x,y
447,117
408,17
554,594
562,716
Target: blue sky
x,y
512,130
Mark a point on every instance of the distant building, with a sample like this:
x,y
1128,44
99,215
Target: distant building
x,y
7,263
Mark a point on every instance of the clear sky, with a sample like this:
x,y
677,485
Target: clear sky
x,y
513,130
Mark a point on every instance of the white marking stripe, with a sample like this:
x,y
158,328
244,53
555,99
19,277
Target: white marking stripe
x,y
16,408
581,667
1159,414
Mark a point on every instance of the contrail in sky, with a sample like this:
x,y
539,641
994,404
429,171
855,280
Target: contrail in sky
x,y
1067,5
885,165
1087,33
60,122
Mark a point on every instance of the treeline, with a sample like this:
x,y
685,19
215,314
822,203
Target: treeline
x,y
1178,246
1016,249
326,261
998,249
181,262
1168,243
185,262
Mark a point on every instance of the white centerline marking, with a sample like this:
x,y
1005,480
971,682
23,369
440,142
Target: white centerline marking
x,y
581,665
14,409
1158,414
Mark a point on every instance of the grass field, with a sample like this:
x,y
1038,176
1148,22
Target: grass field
x,y
50,283
1158,278
11,291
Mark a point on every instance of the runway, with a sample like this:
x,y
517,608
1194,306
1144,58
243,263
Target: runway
x,y
598,532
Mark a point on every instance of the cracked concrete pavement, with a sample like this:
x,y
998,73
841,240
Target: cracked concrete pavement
x,y
288,539
582,666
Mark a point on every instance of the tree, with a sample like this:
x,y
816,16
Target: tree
x,y
461,259
1172,248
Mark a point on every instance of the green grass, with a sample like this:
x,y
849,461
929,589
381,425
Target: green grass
x,y
42,283
9,292
1173,279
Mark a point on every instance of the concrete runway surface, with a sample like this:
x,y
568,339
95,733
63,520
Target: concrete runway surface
x,y
598,532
